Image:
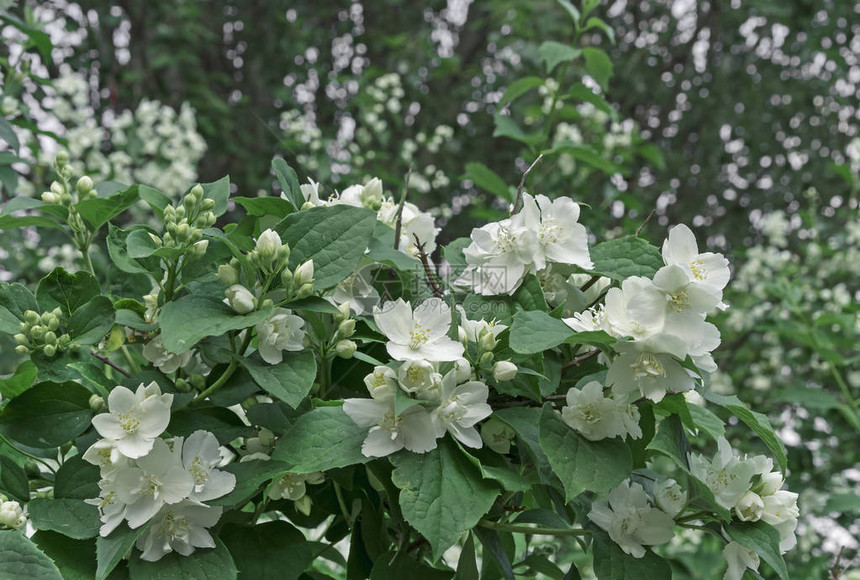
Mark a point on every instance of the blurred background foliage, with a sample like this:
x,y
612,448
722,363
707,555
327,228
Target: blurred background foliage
x,y
739,118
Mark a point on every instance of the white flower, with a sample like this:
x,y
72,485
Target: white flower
x,y
630,520
418,376
310,192
462,370
597,417
670,497
163,359
107,456
282,331
412,430
474,329
739,559
780,510
292,486
504,371
178,528
500,255
381,383
749,507
268,245
304,273
111,509
418,335
726,475
200,457
559,237
134,420
460,408
708,271
358,290
371,193
12,515
423,227
651,374
158,479
240,299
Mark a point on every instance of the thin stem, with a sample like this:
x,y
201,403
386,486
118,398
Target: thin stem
x,y
846,392
228,372
24,453
342,504
518,202
398,222
127,355
529,530
110,363
431,278
580,359
647,219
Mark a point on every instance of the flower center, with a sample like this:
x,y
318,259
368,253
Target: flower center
x,y
549,234
647,366
452,410
391,423
199,472
506,241
698,269
128,421
151,486
418,336
679,301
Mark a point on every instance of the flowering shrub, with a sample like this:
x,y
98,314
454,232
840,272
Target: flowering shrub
x,y
302,388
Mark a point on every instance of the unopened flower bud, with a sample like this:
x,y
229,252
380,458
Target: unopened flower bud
x,y
228,274
97,403
182,386
462,336
12,515
196,193
283,255
37,332
188,203
343,312
66,199
155,239
268,245
207,204
308,205
169,214
180,213
21,339
371,193
182,231
486,358
504,371
61,159
53,323
57,188
240,299
197,381
345,348
305,273
64,340
84,185
50,197
346,328
305,291
50,350
198,250
31,316
21,349
50,338
207,219
488,341
287,278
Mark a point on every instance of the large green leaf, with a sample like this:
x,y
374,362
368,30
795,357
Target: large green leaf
x,y
536,331
117,243
763,539
76,558
90,322
289,182
755,421
554,53
13,479
514,91
268,206
15,299
47,415
187,321
391,565
582,465
70,517
442,493
20,559
112,549
205,564
321,439
290,380
599,65
68,291
612,563
525,421
77,479
20,381
219,192
334,237
624,257
100,210
270,551
486,178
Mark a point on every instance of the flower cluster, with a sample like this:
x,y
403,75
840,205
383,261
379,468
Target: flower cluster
x,y
750,488
502,253
12,515
147,479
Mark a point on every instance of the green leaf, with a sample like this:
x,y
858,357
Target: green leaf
x,y
536,331
139,244
270,551
585,154
599,65
20,559
250,476
13,479
47,415
707,421
271,206
92,321
595,22
442,494
205,564
223,423
334,237
70,517
571,10
841,503
156,200
671,441
402,401
467,565
624,257
653,154
112,549
15,299
98,211
487,179
20,381
77,479
289,182
381,249
219,192
10,222
583,93
514,91
321,439
68,291
582,465
763,539
391,565
187,321
755,421
554,53
117,243
62,366
612,563
290,380
76,558
506,127
7,133
526,422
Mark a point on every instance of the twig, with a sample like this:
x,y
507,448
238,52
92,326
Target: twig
x,y
110,363
639,229
398,222
590,283
519,200
431,278
580,359
528,530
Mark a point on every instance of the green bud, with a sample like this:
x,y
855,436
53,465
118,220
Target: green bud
x,y
66,199
169,214
343,312
207,204
21,339
31,316
208,218
57,312
54,323
486,358
180,212
266,302
182,231
50,338
198,381
188,203
287,279
97,404
305,291
50,350
32,469
182,386
155,239
196,193
198,250
345,348
304,274
487,341
37,332
64,340
228,274
84,185
50,197
308,205
21,349
57,188
24,327
168,239
283,255
346,328
61,159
